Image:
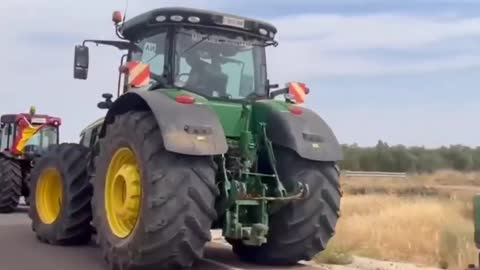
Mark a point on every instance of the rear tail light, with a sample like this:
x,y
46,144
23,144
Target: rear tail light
x,y
296,111
185,99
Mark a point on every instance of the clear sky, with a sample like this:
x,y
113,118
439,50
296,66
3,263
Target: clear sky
x,y
402,71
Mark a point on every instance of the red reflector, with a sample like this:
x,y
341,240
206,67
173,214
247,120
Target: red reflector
x,y
305,88
296,111
185,99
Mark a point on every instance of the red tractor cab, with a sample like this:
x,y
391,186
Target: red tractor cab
x,y
23,138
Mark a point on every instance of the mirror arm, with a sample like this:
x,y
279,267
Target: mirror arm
x,y
269,87
278,92
118,32
119,86
121,45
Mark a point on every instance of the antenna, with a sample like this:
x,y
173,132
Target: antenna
x,y
125,12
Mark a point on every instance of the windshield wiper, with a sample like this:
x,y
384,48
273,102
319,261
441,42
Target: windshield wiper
x,y
196,44
270,43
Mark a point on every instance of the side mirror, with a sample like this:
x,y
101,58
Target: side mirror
x,y
80,65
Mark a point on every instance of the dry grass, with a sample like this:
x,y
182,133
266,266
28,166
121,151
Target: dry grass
x,y
419,222
448,184
448,177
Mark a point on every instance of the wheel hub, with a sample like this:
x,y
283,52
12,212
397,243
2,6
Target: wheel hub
x,y
49,196
123,193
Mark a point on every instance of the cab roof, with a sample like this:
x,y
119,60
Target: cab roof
x,y
95,124
183,16
12,118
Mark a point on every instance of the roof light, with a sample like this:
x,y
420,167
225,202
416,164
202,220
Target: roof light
x,y
296,111
185,99
263,31
176,18
160,18
194,19
117,17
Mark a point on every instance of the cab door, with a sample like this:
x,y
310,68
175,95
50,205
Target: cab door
x,y
7,134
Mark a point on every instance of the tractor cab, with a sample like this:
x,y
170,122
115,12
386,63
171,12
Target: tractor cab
x,y
26,135
214,55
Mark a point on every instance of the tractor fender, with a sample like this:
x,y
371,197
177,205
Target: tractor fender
x,y
307,134
191,129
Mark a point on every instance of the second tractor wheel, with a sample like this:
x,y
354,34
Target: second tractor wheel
x,y
302,228
153,209
10,185
60,195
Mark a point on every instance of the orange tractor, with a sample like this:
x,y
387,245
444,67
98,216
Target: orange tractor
x,y
24,137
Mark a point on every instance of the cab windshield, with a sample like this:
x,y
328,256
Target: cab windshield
x,y
212,63
219,64
43,138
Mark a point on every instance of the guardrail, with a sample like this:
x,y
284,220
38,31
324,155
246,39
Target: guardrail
x,y
373,174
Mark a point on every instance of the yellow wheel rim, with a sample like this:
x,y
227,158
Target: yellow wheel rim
x,y
49,195
123,192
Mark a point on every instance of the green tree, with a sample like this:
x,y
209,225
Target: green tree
x,y
399,158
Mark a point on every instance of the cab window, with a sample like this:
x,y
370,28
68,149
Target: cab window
x,y
85,138
153,52
7,137
89,137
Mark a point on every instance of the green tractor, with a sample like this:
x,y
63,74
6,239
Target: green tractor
x,y
195,140
476,220
24,137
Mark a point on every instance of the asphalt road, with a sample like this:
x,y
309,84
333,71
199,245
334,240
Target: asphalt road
x,y
20,250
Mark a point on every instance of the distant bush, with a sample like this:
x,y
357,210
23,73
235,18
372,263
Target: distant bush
x,y
400,158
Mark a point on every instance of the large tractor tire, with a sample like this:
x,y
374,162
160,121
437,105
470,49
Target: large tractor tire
x,y
152,209
60,195
10,185
302,228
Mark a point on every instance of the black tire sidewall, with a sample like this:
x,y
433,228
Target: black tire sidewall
x,y
113,141
177,200
99,187
53,233
9,164
46,231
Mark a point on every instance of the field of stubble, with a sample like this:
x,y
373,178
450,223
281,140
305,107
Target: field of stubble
x,y
425,220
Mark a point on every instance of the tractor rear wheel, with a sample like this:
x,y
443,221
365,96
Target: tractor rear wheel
x,y
10,185
60,195
300,229
153,209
